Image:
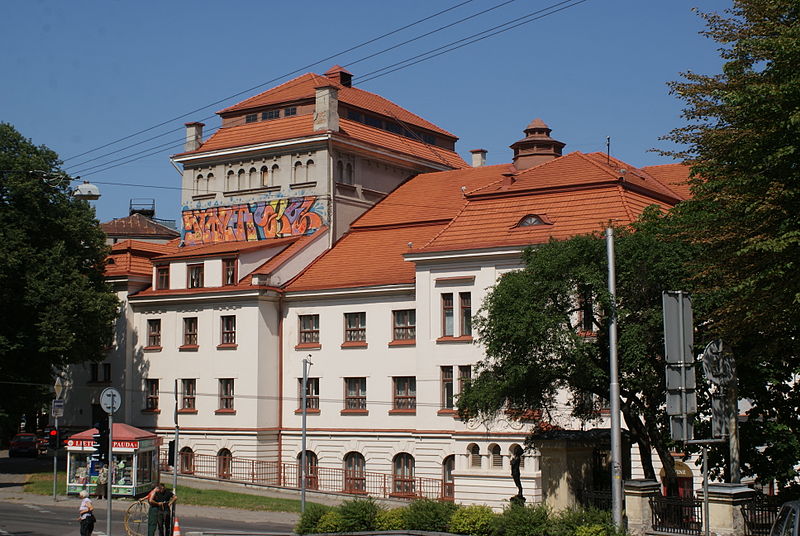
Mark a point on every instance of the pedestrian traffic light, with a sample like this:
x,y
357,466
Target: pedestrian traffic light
x,y
171,453
101,441
53,439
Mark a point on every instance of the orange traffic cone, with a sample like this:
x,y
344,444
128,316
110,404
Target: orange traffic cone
x,y
176,528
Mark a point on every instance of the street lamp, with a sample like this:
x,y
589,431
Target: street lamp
x,y
86,190
303,469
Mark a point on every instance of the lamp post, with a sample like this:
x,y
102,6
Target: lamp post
x,y
616,433
303,469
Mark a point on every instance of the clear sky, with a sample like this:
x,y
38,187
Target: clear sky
x,y
80,74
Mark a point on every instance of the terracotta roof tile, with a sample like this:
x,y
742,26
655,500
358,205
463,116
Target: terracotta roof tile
x,y
303,86
132,257
286,254
137,225
674,176
366,257
226,248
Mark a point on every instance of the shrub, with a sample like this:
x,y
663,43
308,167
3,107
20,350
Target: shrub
x,y
567,522
310,518
393,519
475,520
331,521
430,515
522,521
591,530
359,515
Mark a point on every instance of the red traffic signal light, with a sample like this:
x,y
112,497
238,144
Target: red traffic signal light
x,y
52,439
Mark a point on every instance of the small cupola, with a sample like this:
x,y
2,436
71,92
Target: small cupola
x,y
536,147
341,75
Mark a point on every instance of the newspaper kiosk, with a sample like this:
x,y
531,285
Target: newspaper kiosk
x,y
135,461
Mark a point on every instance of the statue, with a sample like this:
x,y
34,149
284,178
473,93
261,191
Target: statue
x,y
516,459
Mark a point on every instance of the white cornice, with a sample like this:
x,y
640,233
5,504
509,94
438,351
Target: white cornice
x,y
399,156
250,148
351,291
464,254
193,298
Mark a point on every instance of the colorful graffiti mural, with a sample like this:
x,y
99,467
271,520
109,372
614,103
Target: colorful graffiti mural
x,y
261,220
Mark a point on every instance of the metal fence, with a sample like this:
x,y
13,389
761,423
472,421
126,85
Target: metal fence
x,y
287,475
600,499
677,515
759,515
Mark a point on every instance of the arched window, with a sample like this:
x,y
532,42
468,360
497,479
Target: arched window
x,y
253,178
495,455
354,477
516,450
264,176
403,474
229,181
349,174
242,181
209,183
309,171
474,452
339,171
186,461
448,466
297,176
276,173
224,464
312,464
198,182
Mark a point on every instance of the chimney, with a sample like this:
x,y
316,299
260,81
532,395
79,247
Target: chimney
x,y
508,180
536,147
339,74
326,108
478,157
194,136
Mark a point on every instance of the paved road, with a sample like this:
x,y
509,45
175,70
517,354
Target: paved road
x,y
34,515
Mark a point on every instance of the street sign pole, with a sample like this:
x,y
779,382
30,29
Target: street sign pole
x,y
58,388
110,401
55,464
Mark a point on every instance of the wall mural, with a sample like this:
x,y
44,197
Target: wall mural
x,y
260,220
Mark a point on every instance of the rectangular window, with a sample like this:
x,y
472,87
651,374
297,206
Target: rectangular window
x,y
270,114
355,327
405,392
154,332
94,372
190,331
464,377
151,388
447,387
405,322
585,310
466,313
355,396
228,329
226,393
251,118
312,393
162,278
106,372
447,315
309,329
373,121
188,394
229,272
430,139
287,112
194,276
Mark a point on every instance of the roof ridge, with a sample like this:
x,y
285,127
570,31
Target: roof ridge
x,y
624,200
600,166
279,86
453,219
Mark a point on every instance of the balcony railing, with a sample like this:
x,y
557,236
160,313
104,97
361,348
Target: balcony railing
x,y
287,475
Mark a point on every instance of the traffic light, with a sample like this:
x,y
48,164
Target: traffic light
x,y
101,441
53,440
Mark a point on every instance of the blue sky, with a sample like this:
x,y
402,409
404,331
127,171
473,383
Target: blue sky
x,y
81,74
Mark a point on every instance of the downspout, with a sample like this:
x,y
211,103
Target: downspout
x,y
280,379
332,197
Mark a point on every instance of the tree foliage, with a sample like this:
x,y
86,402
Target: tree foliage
x,y
743,138
530,325
56,308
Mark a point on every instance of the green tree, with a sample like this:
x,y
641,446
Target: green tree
x,y
534,326
743,138
56,308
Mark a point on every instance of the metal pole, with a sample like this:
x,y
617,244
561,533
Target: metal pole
x,y
55,461
706,521
616,434
110,466
306,363
682,353
176,460
732,407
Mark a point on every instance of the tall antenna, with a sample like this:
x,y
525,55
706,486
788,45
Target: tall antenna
x,y
608,150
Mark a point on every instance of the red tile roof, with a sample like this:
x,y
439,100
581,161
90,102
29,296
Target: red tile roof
x,y
287,253
674,176
225,248
137,225
367,257
303,87
132,257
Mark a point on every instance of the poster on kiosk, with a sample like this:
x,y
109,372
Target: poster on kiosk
x,y
134,467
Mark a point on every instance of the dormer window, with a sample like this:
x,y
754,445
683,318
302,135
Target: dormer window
x,y
229,272
162,278
195,276
290,111
251,118
270,114
532,220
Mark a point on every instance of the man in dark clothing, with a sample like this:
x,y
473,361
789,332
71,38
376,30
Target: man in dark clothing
x,y
160,500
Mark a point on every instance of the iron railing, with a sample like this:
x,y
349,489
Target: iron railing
x,y
677,515
759,515
287,475
600,499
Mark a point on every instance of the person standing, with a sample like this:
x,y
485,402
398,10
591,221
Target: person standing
x,y
86,514
102,482
160,499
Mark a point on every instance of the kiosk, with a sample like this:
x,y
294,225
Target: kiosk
x,y
134,468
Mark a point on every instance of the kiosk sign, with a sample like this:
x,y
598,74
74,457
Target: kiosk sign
x,y
110,400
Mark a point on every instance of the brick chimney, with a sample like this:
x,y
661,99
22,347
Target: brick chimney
x,y
194,136
478,157
536,147
326,108
339,74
